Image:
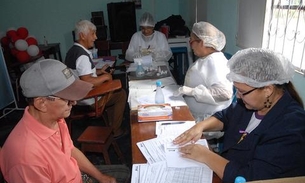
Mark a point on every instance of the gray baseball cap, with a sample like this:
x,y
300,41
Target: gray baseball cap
x,y
52,77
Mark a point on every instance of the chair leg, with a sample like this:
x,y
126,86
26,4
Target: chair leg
x,y
118,152
106,157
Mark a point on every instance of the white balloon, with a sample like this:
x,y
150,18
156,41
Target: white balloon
x,y
21,45
33,50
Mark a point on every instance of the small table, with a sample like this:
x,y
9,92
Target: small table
x,y
51,49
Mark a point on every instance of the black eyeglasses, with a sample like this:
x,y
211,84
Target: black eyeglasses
x,y
53,98
246,93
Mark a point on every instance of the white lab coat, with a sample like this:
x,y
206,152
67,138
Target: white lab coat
x,y
156,43
211,91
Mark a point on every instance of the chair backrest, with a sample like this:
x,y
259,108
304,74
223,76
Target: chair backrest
x,y
103,47
101,95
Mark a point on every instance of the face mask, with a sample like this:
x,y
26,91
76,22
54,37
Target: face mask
x,y
148,38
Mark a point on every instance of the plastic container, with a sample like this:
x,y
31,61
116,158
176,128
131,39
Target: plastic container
x,y
94,53
140,72
240,179
159,97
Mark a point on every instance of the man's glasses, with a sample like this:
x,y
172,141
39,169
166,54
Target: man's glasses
x,y
246,93
53,98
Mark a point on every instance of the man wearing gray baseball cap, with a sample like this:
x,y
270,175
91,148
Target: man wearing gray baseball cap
x,y
39,148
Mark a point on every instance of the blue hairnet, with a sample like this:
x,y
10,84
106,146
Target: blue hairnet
x,y
147,20
259,67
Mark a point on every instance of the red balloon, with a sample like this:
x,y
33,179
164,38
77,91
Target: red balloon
x,y
14,51
22,32
14,38
23,56
5,41
31,41
11,33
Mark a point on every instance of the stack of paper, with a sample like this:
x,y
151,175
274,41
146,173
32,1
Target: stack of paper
x,y
165,164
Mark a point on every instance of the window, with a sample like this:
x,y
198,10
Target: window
x,y
284,30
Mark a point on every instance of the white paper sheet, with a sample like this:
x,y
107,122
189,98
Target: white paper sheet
x,y
160,173
174,158
172,128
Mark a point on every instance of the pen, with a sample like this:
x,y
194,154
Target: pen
x,y
173,123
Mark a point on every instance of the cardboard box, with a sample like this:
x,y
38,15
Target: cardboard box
x,y
154,112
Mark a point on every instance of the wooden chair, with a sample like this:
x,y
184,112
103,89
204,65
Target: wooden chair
x,y
98,139
102,93
103,47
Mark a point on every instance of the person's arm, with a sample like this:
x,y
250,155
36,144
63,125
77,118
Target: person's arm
x,y
133,48
162,51
87,167
96,81
216,93
204,155
195,133
103,70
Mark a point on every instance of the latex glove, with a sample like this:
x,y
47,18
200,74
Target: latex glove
x,y
177,93
186,90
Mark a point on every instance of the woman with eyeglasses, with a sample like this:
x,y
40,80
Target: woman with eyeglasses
x,y
264,132
206,89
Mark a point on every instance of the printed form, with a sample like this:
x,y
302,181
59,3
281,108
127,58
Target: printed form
x,y
165,163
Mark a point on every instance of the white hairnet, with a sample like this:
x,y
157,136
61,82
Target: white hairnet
x,y
210,35
147,20
259,67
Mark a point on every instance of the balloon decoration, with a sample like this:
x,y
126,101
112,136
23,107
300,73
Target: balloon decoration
x,y
20,44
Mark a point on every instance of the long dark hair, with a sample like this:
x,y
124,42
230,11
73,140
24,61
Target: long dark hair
x,y
292,91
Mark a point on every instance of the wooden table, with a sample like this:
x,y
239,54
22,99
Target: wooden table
x,y
141,131
146,130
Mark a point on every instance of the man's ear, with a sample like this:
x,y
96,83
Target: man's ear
x,y
81,36
40,104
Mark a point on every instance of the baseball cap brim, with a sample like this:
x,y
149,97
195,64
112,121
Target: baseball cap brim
x,y
76,91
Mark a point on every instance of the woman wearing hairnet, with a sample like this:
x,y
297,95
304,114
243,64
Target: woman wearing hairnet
x,y
148,41
206,89
264,131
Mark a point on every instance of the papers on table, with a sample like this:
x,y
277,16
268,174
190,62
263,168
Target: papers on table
x,y
165,163
143,92
160,173
174,159
100,62
172,128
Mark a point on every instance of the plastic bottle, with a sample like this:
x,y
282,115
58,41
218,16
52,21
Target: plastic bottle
x,y
140,71
240,179
159,97
94,53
